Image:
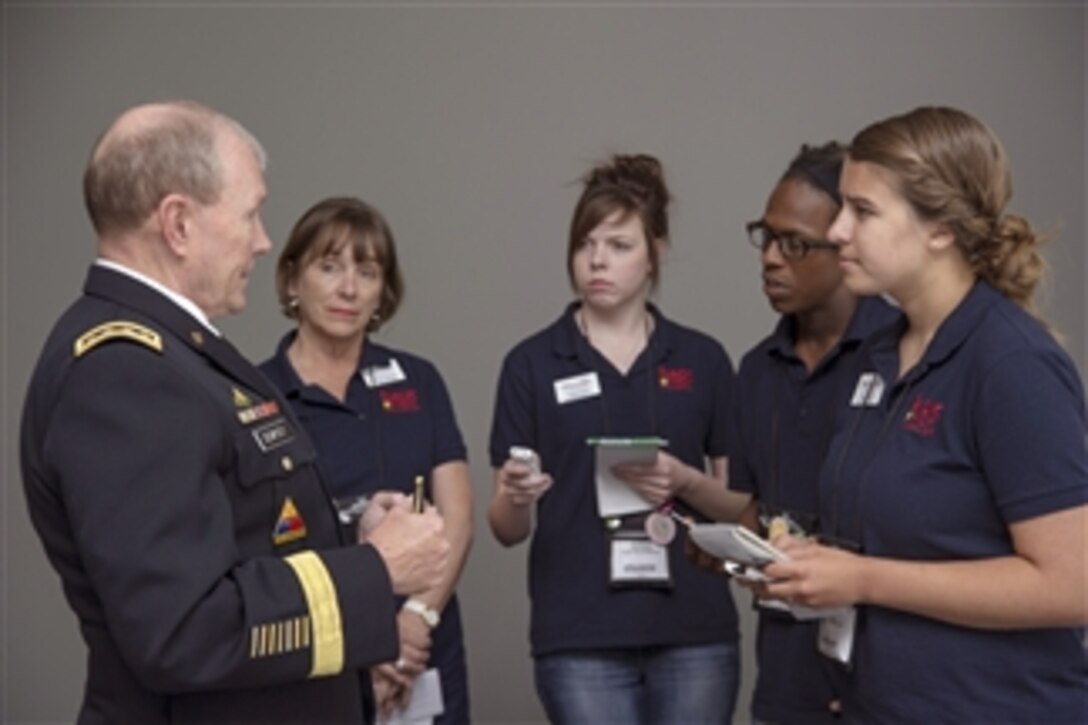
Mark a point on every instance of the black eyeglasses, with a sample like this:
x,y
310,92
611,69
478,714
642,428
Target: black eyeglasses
x,y
792,246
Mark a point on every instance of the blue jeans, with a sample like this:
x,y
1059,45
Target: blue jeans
x,y
650,685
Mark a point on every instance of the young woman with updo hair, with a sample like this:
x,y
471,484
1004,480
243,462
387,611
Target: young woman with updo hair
x,y
623,627
957,480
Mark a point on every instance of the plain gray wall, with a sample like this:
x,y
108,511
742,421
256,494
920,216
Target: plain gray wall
x,y
467,124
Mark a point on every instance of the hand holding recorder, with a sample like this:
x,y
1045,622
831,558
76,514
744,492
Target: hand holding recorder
x,y
520,478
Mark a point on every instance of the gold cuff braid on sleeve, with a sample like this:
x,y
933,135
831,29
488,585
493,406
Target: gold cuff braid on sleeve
x,y
320,593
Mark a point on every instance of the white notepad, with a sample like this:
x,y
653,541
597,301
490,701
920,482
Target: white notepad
x,y
614,496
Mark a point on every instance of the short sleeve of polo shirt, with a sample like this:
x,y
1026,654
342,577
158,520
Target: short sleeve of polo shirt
x,y
1031,434
512,422
448,443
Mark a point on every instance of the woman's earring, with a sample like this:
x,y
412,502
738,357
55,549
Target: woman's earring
x,y
292,302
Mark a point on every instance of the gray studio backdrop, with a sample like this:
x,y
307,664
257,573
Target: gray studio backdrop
x,y
467,124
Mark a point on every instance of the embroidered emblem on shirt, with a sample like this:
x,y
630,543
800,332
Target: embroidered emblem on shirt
x,y
400,401
675,378
290,526
253,413
117,330
923,416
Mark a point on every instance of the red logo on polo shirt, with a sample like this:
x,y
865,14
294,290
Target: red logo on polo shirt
x,y
399,401
676,378
923,416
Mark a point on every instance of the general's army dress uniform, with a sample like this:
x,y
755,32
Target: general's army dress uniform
x,y
785,418
987,429
177,498
555,392
395,425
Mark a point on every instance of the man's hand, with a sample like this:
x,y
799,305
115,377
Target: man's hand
x,y
376,510
414,548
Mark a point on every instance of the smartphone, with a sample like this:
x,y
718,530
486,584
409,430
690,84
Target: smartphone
x,y
527,456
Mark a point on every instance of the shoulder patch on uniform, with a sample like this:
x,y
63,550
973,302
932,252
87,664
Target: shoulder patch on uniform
x,y
117,330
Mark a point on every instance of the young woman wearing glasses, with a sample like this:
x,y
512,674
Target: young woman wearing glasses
x,y
787,386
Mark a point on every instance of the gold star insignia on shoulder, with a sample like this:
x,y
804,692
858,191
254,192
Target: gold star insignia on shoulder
x,y
117,330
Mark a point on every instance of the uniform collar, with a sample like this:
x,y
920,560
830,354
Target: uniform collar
x,y
124,289
781,342
568,342
872,314
281,371
868,317
284,373
963,321
951,335
178,299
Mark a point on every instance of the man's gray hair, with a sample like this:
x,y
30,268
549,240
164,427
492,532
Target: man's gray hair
x,y
154,151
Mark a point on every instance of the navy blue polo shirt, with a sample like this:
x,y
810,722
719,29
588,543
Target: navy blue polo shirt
x,y
785,418
988,429
380,438
680,388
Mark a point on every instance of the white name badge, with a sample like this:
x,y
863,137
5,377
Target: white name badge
x,y
577,387
376,376
868,391
639,561
836,636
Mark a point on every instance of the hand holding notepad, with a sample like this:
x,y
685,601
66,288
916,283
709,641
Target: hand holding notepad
x,y
614,496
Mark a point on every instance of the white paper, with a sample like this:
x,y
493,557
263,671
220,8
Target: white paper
x,y
836,636
614,496
799,611
425,705
726,541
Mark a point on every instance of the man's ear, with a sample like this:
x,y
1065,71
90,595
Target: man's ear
x,y
174,217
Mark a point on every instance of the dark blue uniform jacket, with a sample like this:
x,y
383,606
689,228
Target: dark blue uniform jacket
x,y
177,498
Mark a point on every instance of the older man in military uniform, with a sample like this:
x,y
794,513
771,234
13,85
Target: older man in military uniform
x,y
173,491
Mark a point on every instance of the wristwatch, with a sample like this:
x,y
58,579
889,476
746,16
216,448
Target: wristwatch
x,y
430,616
